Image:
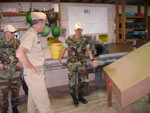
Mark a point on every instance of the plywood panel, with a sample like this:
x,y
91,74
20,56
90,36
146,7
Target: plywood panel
x,y
131,68
116,47
129,78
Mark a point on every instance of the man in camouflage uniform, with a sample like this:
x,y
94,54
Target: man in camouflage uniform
x,y
77,46
9,70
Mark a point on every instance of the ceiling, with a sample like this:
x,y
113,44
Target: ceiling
x,y
129,2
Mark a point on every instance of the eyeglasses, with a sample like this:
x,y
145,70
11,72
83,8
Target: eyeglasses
x,y
13,32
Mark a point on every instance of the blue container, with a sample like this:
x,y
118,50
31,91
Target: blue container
x,y
130,14
136,32
98,77
106,48
141,25
130,25
142,32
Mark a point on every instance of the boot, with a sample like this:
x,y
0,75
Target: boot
x,y
15,110
80,98
4,112
75,100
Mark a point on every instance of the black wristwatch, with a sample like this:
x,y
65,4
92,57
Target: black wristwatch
x,y
92,59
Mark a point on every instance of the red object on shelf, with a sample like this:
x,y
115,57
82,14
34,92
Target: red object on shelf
x,y
56,41
139,14
10,13
110,84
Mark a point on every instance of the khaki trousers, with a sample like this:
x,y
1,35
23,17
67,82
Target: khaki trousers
x,y
38,99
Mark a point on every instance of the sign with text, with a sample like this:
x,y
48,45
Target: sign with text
x,y
93,19
103,37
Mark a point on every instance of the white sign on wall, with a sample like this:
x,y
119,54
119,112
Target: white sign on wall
x,y
93,19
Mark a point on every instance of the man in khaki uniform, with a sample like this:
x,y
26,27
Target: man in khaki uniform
x,y
31,55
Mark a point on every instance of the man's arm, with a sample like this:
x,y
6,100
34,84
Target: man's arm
x,y
19,64
89,53
61,55
21,55
1,66
91,57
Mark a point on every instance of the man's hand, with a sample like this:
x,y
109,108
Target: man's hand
x,y
59,63
19,64
94,63
37,70
1,66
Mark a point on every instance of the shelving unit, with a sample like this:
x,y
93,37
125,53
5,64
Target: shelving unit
x,y
7,14
149,25
11,14
121,32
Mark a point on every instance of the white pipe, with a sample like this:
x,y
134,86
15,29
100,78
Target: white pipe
x,y
113,55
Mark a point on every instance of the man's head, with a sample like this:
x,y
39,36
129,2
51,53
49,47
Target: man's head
x,y
78,29
9,31
38,20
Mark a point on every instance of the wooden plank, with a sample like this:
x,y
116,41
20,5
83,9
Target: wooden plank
x,y
59,17
135,17
14,14
140,42
120,47
10,14
85,1
109,1
96,1
18,29
73,0
146,15
123,20
109,96
117,21
109,92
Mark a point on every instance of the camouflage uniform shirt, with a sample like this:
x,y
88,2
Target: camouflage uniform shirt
x,y
8,58
76,51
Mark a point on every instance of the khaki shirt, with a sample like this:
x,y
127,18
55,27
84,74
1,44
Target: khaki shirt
x,y
31,42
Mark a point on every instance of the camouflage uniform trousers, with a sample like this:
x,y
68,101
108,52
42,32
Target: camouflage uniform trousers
x,y
76,69
7,85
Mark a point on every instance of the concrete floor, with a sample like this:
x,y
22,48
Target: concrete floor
x,y
61,101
